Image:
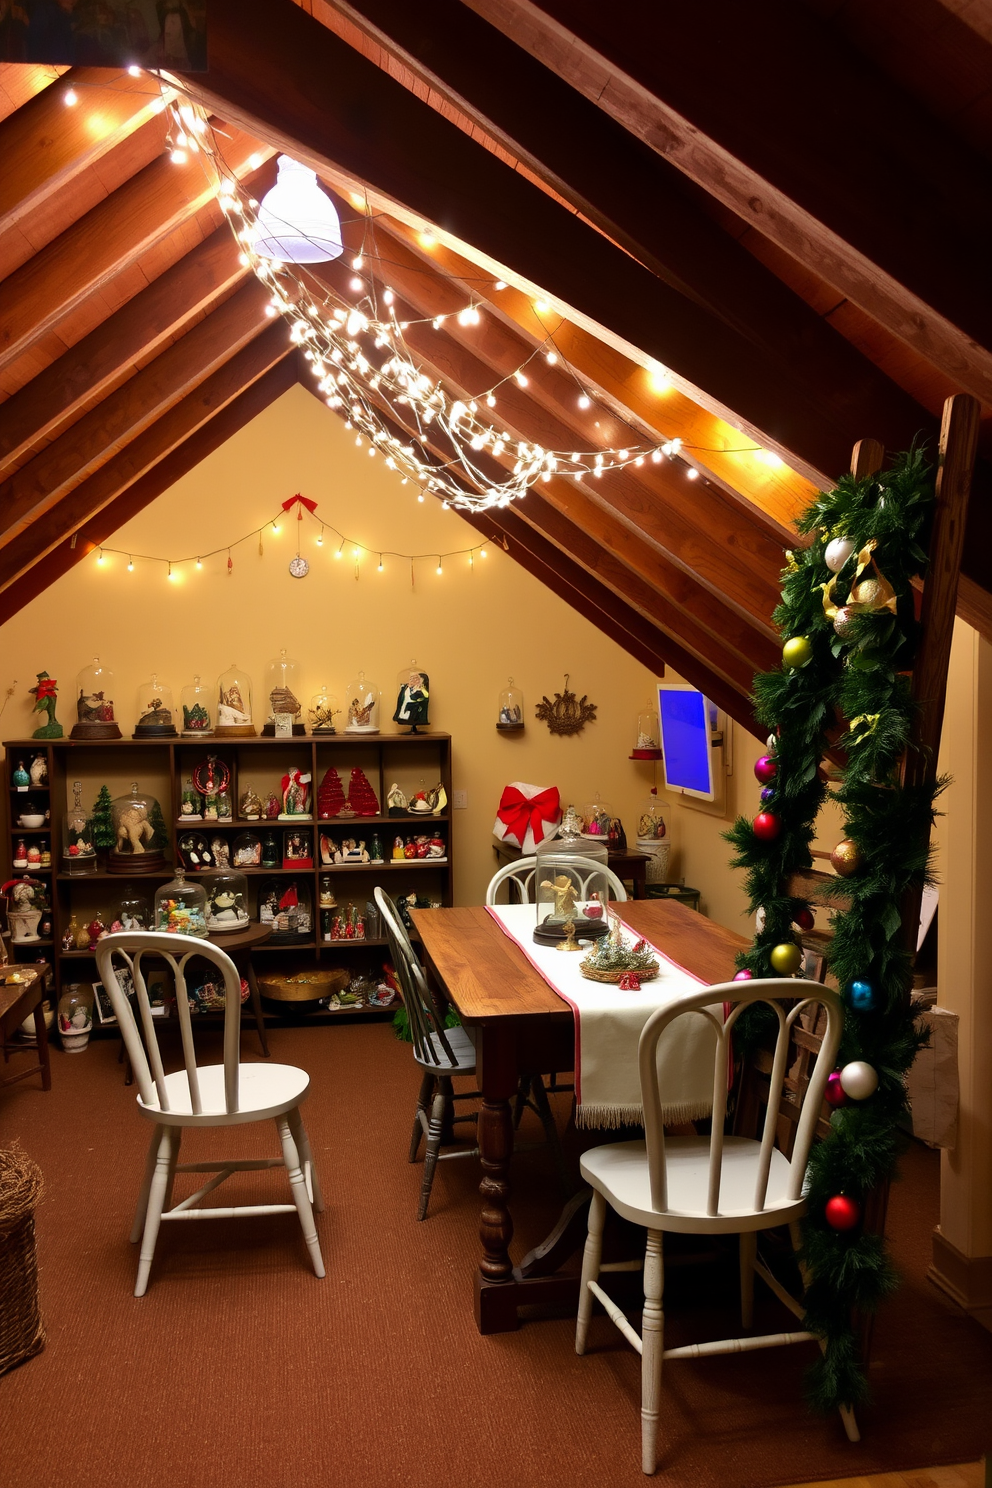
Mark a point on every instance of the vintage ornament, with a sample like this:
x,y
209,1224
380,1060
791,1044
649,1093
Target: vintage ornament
x,y
772,743
861,996
567,714
767,794
805,919
299,567
744,976
842,622
765,769
871,594
841,1212
846,858
837,552
835,1094
786,958
766,826
859,1080
797,651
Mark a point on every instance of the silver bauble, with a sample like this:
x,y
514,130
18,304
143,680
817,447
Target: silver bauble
x,y
858,1080
837,552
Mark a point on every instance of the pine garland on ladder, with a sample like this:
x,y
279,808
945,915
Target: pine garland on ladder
x,y
848,621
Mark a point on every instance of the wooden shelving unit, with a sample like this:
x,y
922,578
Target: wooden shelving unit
x,y
162,767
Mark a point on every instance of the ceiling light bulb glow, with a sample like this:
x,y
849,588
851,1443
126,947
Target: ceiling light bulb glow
x,y
70,97
584,400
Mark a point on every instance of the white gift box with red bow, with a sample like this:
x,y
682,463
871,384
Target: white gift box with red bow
x,y
527,815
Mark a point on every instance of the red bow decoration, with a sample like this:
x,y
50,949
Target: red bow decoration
x,y
311,506
517,813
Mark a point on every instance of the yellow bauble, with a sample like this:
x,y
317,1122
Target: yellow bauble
x,y
796,652
786,958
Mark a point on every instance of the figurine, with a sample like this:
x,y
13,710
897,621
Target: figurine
x,y
46,856
413,701
157,718
45,692
410,850
226,911
436,849
20,854
82,938
231,711
225,811
133,828
329,849
327,899
396,801
221,851
295,796
250,805
398,852
375,849
96,930
39,770
69,938
360,711
116,926
272,806
34,856
564,892
267,907
190,803
351,852
248,851
20,778
94,707
270,851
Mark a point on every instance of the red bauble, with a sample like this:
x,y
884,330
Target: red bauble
x,y
765,769
834,1093
805,919
766,826
842,1213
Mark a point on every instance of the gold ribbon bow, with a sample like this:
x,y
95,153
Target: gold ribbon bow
x,y
885,598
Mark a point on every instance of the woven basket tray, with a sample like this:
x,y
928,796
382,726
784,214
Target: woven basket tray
x,y
21,1331
305,986
594,975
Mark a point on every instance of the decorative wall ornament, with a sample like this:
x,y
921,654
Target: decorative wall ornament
x,y
568,714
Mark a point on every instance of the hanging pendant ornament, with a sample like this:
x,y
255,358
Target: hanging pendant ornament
x,y
859,1080
835,1094
299,567
861,995
846,858
837,552
767,826
765,769
786,958
797,652
842,1213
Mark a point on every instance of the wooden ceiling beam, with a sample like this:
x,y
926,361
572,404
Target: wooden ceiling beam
x,y
45,144
113,234
914,255
130,410
52,400
220,426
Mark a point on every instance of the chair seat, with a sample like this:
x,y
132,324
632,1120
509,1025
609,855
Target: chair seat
x,y
263,1090
620,1172
462,1047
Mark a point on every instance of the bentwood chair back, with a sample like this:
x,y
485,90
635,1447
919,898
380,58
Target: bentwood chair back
x,y
518,877
200,1095
714,1184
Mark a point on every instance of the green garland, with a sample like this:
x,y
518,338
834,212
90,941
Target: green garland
x,y
850,691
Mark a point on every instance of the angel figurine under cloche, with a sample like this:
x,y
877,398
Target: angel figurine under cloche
x,y
510,718
571,891
140,835
324,708
363,706
234,704
197,702
95,704
282,695
156,715
412,697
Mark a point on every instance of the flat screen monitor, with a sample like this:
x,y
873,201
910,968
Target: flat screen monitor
x,y
686,739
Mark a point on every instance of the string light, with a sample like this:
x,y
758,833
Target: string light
x,y
320,539
439,570
130,565
100,558
199,562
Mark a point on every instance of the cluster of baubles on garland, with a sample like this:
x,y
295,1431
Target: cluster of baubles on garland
x,y
839,709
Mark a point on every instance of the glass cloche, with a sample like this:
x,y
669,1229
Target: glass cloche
x,y
597,818
234,706
648,745
140,834
181,907
413,690
246,850
324,708
510,717
227,902
570,888
156,714
198,704
95,704
134,911
363,706
286,905
282,696
652,838
78,847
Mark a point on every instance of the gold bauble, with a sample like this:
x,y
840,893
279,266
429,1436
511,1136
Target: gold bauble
x,y
786,958
870,594
842,621
846,858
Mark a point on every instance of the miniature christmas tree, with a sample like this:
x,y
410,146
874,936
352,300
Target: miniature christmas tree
x,y
103,822
330,795
361,797
160,841
613,960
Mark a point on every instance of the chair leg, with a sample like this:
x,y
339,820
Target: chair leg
x,y
166,1156
748,1251
547,1118
591,1256
652,1349
423,1104
433,1144
299,1131
298,1185
146,1183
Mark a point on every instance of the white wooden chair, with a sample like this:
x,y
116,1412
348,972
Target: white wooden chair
x,y
228,1094
706,1185
519,875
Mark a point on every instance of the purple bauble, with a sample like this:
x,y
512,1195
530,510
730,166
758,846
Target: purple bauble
x,y
834,1093
747,976
767,794
765,769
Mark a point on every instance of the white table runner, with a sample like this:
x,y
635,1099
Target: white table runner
x,y
608,1024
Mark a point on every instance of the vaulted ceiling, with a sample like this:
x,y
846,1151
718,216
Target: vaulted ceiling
x,y
786,206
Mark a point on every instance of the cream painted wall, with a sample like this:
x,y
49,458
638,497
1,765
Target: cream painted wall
x,y
470,629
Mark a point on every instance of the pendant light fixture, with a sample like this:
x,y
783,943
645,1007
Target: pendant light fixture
x,y
296,220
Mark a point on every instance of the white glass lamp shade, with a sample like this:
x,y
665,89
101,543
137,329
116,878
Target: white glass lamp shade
x,y
297,220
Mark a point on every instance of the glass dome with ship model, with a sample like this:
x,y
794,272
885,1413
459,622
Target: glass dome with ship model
x,y
571,890
233,717
324,708
227,902
363,706
181,907
197,704
78,849
95,704
139,831
282,697
155,712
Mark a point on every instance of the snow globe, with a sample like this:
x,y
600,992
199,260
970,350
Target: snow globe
x,y
76,1017
78,849
156,715
571,890
134,911
648,745
510,718
197,703
282,691
227,902
181,907
246,850
140,835
323,709
233,716
95,704
363,706
285,905
412,697
652,838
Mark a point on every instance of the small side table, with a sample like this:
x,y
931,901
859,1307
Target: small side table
x,y
17,1000
239,945
677,891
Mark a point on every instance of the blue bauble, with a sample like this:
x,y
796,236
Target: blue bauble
x,y
862,996
767,794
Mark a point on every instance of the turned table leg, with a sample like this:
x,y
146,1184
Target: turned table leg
x,y
498,1082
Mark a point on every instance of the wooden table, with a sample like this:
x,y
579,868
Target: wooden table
x,y
239,944
17,1001
522,1026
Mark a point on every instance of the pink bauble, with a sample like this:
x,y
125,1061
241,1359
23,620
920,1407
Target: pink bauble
x,y
765,769
834,1093
593,911
767,826
841,1213
744,976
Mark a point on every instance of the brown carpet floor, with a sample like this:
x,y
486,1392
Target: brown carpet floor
x,y
239,1367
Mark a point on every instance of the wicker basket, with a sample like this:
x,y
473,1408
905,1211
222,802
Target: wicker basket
x,y
21,1331
592,974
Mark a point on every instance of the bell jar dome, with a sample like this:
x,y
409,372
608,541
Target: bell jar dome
x,y
139,831
78,847
95,704
648,743
324,708
156,714
282,697
234,708
571,891
181,907
227,902
198,705
363,706
510,718
412,697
